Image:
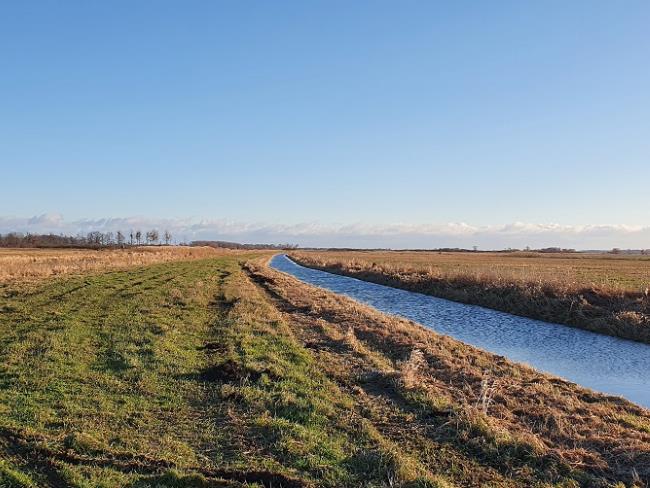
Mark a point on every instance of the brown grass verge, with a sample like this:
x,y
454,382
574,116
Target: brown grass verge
x,y
30,264
432,394
551,289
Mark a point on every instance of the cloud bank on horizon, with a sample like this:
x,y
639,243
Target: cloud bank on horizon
x,y
359,235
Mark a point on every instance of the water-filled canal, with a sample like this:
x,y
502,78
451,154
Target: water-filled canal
x,y
603,363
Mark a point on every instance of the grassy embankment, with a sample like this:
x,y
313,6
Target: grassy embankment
x,y
214,373
601,293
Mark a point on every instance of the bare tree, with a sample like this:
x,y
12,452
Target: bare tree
x,y
168,237
152,236
94,238
119,238
131,237
138,236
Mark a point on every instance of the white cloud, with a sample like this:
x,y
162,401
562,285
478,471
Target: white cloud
x,y
398,235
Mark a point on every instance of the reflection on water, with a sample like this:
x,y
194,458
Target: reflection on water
x,y
603,363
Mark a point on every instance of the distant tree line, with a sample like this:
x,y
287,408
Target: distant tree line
x,y
93,240
236,245
617,250
552,250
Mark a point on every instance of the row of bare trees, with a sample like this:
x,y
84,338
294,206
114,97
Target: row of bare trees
x,y
94,239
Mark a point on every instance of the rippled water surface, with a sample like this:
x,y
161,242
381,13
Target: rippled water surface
x,y
604,363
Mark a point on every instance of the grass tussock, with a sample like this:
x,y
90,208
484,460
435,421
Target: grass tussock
x,y
604,294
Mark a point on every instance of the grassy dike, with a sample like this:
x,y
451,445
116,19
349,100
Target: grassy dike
x,y
222,372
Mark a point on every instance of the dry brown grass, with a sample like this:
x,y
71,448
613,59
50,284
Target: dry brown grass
x,y
29,264
566,270
435,393
603,293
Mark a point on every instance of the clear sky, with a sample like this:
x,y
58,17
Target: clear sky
x,y
370,113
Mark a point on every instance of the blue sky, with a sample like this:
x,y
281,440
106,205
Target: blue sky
x,y
335,113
